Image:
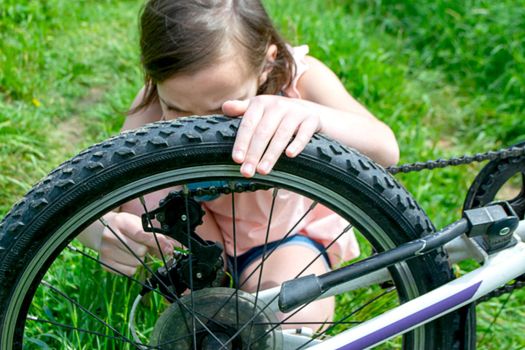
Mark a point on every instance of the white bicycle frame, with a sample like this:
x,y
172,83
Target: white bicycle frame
x,y
496,270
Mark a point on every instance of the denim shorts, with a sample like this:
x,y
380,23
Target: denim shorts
x,y
245,259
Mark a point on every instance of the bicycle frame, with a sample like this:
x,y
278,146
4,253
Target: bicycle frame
x,y
497,269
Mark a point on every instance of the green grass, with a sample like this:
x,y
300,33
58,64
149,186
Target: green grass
x,y
110,298
447,76
68,73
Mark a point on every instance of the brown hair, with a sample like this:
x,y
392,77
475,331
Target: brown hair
x,y
184,36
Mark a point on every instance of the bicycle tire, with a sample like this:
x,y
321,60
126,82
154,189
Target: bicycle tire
x,y
41,225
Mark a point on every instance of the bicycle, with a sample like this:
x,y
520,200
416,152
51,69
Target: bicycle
x,y
190,302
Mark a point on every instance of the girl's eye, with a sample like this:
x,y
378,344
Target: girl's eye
x,y
172,109
173,112
178,113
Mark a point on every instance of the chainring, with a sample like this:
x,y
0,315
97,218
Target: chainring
x,y
492,178
485,189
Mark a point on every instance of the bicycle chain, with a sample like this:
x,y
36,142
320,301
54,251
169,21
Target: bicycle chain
x,y
508,288
505,153
225,188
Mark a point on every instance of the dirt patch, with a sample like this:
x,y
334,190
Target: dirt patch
x,y
71,132
93,96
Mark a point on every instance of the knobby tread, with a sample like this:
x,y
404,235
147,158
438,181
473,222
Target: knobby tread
x,y
133,144
181,135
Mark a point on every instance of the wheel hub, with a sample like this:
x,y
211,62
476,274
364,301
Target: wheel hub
x,y
218,316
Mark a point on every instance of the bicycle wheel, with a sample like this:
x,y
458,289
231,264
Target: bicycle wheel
x,y
55,293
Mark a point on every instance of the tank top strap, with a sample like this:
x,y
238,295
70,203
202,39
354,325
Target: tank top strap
x,y
298,53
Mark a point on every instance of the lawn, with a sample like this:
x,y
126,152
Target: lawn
x,y
448,77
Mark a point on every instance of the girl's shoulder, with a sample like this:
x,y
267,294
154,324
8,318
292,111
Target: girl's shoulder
x,y
310,75
319,84
299,54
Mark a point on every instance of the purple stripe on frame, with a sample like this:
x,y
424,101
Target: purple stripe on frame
x,y
411,320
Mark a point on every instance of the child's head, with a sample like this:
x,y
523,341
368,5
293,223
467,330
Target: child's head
x,y
183,38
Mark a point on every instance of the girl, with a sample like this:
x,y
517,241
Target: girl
x,y
204,57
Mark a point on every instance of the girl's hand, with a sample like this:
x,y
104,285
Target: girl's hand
x,y
129,228
268,125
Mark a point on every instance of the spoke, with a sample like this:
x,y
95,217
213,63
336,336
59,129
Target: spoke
x,y
290,231
82,330
264,258
173,341
235,271
80,306
144,285
333,324
192,299
277,295
106,224
143,202
320,254
266,324
349,315
174,295
261,265
352,313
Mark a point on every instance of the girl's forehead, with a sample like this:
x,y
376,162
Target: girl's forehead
x,y
208,88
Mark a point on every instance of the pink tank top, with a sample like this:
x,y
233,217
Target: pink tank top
x,y
252,209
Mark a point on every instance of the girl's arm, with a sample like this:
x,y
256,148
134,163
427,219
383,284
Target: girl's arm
x,y
343,118
270,122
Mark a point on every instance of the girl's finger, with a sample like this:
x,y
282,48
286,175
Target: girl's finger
x,y
148,239
302,137
277,145
235,108
261,138
247,127
115,266
111,243
124,257
166,246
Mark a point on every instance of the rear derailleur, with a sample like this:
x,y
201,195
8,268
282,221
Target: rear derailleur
x,y
198,267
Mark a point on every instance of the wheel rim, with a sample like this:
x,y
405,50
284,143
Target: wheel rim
x,y
95,209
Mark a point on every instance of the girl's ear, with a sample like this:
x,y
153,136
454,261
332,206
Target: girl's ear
x,y
271,56
271,53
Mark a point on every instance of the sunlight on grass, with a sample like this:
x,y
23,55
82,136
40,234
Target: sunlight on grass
x,y
108,297
448,78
